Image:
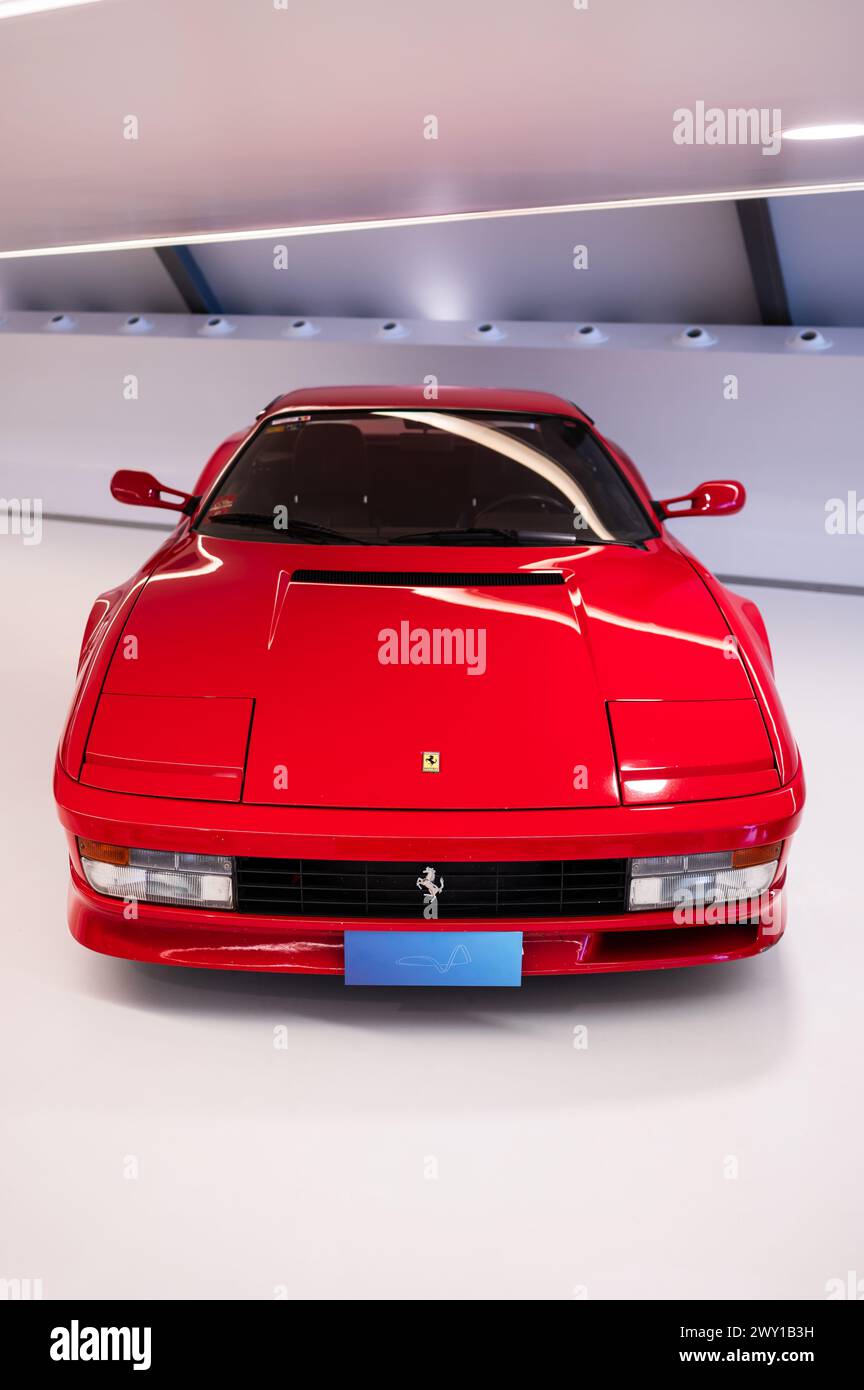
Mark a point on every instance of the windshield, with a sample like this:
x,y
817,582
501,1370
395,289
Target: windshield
x,y
396,477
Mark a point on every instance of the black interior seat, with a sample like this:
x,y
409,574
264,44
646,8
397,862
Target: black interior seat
x,y
329,476
425,489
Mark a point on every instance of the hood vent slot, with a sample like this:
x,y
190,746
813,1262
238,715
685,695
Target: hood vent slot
x,y
410,579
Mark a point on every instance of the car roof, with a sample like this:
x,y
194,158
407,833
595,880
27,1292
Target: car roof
x,y
416,398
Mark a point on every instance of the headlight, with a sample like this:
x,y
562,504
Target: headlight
x,y
672,880
158,876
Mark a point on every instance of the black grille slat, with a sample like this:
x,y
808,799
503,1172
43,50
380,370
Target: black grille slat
x,y
431,579
352,889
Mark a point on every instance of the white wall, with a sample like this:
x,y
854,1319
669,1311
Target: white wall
x,y
793,435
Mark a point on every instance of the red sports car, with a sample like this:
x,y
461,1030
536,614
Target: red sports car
x,y
421,691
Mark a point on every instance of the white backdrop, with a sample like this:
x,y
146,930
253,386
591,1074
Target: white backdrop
x,y
793,435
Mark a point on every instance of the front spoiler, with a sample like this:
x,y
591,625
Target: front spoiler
x,y
229,941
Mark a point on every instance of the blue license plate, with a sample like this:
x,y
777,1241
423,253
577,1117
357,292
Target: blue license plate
x,y
449,958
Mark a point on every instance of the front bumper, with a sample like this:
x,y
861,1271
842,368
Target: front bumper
x,y
234,941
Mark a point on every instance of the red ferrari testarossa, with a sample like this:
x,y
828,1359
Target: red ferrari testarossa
x,y
422,691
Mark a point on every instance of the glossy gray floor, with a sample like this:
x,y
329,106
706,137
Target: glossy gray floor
x,y
425,1144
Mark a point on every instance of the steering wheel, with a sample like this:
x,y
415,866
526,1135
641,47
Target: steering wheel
x,y
560,503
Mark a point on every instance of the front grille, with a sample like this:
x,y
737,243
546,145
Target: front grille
x,y
348,888
431,579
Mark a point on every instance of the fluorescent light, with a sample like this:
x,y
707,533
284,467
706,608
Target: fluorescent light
x,y
851,130
430,220
11,9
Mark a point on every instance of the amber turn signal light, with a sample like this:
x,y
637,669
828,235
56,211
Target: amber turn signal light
x,y
104,854
760,854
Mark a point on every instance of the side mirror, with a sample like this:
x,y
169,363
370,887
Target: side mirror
x,y
143,490
717,498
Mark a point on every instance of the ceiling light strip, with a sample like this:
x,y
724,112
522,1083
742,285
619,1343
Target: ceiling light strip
x,y
14,9
429,220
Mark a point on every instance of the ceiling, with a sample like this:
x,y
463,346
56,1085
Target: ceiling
x,y
255,116
251,115
651,264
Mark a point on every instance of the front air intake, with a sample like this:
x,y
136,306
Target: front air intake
x,y
411,579
347,889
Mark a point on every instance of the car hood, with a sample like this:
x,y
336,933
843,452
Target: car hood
x,y
356,666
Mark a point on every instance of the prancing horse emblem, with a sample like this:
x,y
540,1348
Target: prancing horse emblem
x,y
430,890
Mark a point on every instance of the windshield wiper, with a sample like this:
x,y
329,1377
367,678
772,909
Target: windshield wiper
x,y
465,533
496,535
307,530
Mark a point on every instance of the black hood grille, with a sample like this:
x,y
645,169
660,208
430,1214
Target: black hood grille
x,y
410,579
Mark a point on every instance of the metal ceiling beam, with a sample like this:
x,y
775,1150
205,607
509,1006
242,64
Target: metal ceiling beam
x,y
760,243
189,279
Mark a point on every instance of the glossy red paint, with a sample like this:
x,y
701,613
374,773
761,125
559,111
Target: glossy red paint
x,y
167,745
143,490
708,499
690,750
640,667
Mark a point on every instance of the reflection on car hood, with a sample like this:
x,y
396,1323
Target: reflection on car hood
x,y
354,683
